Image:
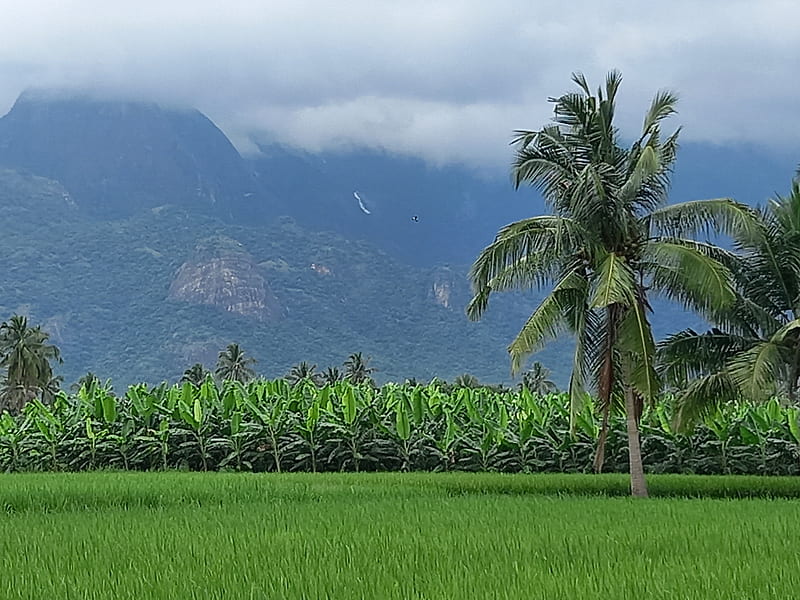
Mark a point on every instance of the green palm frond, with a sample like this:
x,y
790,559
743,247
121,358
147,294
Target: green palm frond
x,y
756,370
636,342
580,80
615,283
747,318
702,397
547,320
685,273
662,106
721,215
543,159
521,256
688,354
782,335
647,164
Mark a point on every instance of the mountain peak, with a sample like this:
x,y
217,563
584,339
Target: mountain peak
x,y
117,157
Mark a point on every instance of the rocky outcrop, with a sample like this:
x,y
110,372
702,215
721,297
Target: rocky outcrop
x,y
222,274
448,288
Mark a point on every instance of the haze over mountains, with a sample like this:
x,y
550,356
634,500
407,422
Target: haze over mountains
x,y
145,242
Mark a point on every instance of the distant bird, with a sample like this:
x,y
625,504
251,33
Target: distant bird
x,y
415,218
361,203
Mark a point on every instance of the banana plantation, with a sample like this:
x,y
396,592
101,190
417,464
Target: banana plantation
x,y
274,426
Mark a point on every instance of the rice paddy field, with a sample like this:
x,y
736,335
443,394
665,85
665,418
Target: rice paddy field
x,y
254,536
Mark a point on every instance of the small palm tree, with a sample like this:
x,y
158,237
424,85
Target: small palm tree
x,y
536,381
753,350
466,381
26,356
332,375
234,365
304,372
357,369
196,375
88,381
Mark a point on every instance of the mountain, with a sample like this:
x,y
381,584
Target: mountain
x,y
143,298
425,215
144,242
118,158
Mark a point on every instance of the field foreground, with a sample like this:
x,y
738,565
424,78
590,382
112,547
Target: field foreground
x,y
245,536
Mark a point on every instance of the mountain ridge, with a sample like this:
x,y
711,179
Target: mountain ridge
x,y
95,244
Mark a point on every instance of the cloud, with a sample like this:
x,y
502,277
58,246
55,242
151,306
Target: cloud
x,y
448,81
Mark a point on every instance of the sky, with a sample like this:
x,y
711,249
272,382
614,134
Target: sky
x,y
448,81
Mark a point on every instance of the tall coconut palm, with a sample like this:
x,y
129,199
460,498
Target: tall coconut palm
x,y
609,243
753,350
25,354
233,364
357,369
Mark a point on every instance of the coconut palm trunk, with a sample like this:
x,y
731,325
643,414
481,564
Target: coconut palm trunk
x,y
600,450
638,483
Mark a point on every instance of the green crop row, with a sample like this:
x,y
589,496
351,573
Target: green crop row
x,y
273,426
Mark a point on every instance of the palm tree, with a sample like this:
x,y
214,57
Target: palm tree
x,y
608,243
357,369
466,381
87,381
234,365
753,350
536,380
332,375
26,356
304,372
196,375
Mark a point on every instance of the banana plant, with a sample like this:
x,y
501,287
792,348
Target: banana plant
x,y
269,405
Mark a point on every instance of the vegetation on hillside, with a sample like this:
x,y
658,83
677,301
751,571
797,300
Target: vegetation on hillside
x,y
100,289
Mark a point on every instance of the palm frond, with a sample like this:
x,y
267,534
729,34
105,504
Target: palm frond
x,y
547,320
615,283
720,215
686,355
702,397
520,256
662,106
757,370
635,340
685,273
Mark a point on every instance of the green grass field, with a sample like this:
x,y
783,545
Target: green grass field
x,y
243,536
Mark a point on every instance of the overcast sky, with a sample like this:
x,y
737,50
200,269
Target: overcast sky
x,y
445,80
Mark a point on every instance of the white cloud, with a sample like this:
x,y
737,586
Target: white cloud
x,y
445,80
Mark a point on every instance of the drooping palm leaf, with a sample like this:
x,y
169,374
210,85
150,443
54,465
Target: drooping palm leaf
x,y
682,272
721,215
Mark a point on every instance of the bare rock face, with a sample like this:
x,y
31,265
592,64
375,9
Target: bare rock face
x,y
442,291
221,273
448,289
